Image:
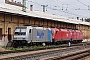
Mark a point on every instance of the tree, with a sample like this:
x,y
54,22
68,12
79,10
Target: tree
x,y
88,19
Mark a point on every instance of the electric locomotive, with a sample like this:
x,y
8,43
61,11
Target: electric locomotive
x,y
24,35
31,35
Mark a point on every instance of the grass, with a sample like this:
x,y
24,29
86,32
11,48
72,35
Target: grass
x,y
31,47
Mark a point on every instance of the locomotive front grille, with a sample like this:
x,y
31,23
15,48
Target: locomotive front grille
x,y
15,38
19,38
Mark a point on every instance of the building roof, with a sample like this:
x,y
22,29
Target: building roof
x,y
18,10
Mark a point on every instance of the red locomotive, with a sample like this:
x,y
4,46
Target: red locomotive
x,y
66,35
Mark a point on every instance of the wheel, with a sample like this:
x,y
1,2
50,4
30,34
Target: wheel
x,y
14,45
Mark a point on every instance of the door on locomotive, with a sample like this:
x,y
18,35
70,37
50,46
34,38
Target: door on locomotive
x,y
29,34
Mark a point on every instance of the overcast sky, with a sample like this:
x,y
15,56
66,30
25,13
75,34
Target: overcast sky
x,y
69,8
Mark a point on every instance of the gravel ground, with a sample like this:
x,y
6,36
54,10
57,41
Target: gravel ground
x,y
2,49
85,58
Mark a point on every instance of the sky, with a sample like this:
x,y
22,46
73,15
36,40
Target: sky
x,y
68,8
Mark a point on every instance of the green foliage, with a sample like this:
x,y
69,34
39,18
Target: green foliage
x,y
32,47
88,19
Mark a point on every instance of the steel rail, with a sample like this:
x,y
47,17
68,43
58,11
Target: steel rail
x,y
40,55
70,56
36,49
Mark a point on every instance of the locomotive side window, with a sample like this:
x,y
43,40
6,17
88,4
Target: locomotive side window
x,y
56,32
30,31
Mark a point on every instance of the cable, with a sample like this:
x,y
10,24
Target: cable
x,y
57,9
82,3
67,11
67,4
33,2
75,7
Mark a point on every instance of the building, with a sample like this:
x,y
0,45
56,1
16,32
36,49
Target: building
x,y
12,16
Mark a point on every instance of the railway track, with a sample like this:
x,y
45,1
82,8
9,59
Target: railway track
x,y
36,49
42,54
70,56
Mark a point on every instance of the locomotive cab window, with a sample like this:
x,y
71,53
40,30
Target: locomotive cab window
x,y
20,31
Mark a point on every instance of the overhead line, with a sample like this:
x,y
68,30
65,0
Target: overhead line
x,y
56,9
68,11
82,3
76,8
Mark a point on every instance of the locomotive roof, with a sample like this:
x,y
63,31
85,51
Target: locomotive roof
x,y
18,10
42,28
